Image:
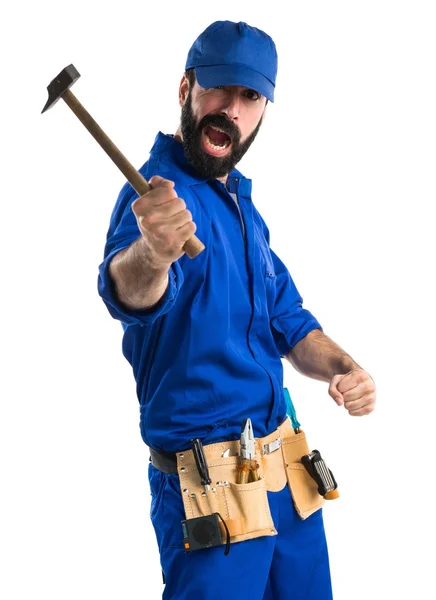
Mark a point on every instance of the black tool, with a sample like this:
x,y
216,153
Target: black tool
x,y
204,532
200,461
318,470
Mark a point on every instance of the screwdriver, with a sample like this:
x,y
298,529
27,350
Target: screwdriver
x,y
200,461
319,471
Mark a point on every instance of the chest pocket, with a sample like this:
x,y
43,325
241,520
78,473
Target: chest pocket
x,y
266,261
266,266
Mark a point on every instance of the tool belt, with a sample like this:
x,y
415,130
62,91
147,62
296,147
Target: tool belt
x,y
164,461
244,507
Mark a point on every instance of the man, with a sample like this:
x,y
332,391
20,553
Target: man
x,y
205,336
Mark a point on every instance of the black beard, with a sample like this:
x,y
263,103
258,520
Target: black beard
x,y
206,165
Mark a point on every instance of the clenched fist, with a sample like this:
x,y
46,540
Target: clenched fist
x,y
355,390
164,222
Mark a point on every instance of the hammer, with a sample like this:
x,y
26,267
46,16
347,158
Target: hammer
x,y
60,88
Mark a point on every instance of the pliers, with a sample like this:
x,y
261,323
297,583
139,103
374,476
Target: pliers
x,y
247,467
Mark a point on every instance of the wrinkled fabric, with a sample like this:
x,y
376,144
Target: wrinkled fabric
x,y
208,354
293,565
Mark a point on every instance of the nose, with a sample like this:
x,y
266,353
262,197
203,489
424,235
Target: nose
x,y
232,105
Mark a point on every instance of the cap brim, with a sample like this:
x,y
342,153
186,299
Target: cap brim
x,y
213,76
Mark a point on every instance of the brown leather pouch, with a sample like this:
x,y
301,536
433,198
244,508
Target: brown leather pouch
x,y
243,507
304,489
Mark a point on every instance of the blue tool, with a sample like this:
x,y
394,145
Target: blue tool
x,y
290,410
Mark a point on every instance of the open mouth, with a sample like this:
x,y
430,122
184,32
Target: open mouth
x,y
215,141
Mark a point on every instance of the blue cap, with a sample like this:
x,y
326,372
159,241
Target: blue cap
x,y
228,53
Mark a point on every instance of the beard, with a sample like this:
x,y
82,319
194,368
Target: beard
x,y
206,165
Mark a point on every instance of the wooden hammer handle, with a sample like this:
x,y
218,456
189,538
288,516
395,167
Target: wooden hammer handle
x,y
193,246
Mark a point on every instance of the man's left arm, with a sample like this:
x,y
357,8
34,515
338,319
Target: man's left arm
x,y
299,337
319,357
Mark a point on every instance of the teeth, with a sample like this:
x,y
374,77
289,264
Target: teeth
x,y
218,129
214,146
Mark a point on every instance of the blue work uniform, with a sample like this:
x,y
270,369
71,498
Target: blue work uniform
x,y
207,356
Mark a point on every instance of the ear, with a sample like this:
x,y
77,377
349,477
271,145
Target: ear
x,y
262,118
183,90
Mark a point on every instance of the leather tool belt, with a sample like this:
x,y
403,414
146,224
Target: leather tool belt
x,y
245,507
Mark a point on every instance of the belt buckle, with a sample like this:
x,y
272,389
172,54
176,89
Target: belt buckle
x,y
272,446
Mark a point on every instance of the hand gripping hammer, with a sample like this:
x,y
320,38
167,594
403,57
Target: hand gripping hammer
x,y
60,88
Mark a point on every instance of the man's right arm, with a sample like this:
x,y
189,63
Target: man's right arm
x,y
140,272
137,283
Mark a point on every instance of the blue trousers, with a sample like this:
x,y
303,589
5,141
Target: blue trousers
x,y
292,565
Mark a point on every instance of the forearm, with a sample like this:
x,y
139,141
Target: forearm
x,y
319,357
138,284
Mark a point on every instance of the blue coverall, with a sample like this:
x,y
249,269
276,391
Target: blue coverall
x,y
207,356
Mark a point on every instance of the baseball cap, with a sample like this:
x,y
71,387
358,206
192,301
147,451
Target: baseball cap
x,y
228,53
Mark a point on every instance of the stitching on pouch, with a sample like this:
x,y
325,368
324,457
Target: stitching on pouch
x,y
225,462
186,498
293,440
224,495
267,511
319,501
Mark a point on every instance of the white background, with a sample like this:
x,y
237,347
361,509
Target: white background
x,y
344,175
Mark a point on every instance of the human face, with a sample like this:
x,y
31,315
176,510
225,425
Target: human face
x,y
218,125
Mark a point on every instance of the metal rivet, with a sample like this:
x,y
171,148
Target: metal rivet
x,y
204,494
193,496
181,456
185,491
214,490
183,469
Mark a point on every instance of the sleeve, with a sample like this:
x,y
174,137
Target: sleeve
x,y
289,321
123,231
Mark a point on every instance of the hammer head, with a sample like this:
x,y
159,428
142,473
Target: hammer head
x,y
60,85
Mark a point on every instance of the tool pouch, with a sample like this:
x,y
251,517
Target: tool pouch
x,y
304,489
243,507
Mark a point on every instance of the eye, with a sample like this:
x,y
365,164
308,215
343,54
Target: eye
x,y
252,95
